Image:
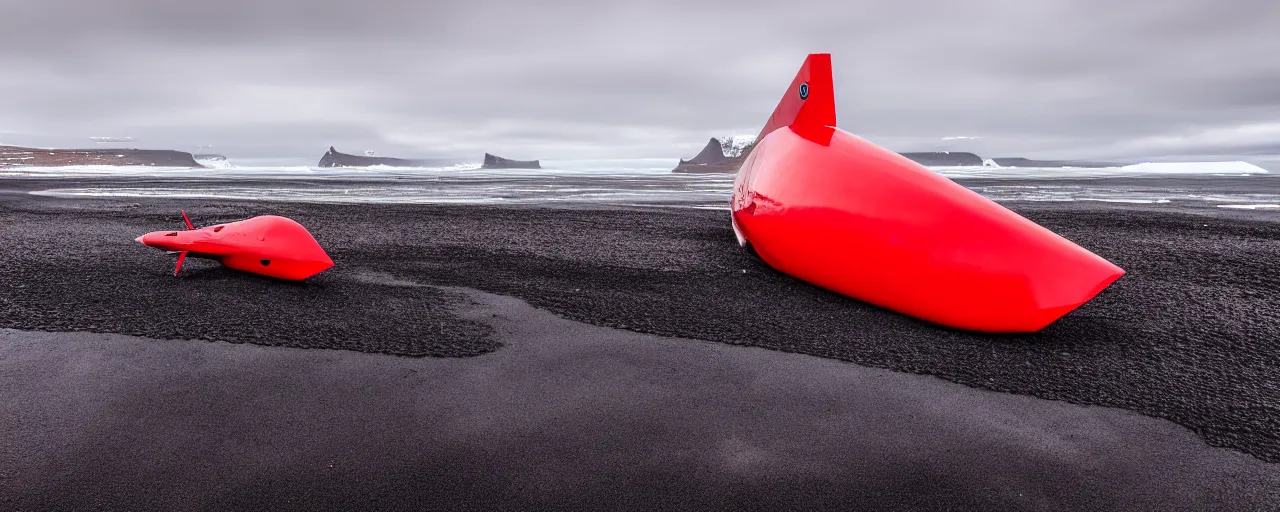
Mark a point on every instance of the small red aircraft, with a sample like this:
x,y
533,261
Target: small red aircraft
x,y
268,245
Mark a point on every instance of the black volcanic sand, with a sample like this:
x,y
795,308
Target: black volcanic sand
x,y
1191,334
565,416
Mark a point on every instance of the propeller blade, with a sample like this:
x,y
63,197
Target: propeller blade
x,y
181,257
188,220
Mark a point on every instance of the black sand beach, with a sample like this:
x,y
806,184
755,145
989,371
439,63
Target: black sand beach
x,y
563,403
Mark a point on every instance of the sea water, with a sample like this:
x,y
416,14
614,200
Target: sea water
x,y
637,182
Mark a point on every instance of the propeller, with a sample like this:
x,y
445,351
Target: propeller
x,y
182,256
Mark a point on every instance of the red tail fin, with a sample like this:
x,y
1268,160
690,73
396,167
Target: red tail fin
x,y
810,101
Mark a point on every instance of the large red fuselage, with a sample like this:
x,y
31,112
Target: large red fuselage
x,y
268,245
830,208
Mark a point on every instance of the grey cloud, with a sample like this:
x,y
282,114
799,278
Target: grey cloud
x,y
570,79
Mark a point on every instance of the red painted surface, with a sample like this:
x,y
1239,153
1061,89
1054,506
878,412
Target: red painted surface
x,y
267,245
825,206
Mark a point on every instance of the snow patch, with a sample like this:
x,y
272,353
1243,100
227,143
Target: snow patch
x,y
1235,167
734,145
215,163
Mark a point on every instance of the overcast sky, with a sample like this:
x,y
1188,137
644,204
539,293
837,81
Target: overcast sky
x,y
601,79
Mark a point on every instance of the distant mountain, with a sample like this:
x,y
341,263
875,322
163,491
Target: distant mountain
x,y
727,155
944,158
1027,162
497,162
15,156
334,158
712,159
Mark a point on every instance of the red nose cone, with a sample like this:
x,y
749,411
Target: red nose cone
x,y
166,240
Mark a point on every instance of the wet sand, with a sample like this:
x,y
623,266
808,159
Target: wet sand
x,y
566,415
578,408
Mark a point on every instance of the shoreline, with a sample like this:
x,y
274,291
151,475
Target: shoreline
x,y
1184,189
